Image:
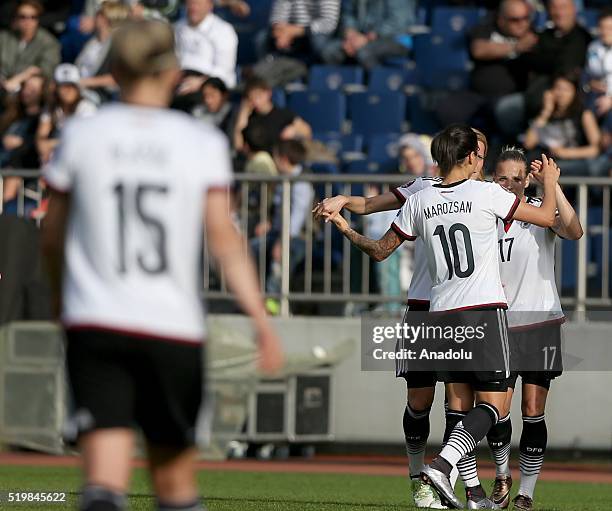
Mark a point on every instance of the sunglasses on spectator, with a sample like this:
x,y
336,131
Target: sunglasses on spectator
x,y
27,16
517,19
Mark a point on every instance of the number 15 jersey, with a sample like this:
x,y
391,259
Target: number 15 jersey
x,y
138,178
458,225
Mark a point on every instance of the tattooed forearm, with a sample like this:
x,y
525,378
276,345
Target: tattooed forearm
x,y
378,250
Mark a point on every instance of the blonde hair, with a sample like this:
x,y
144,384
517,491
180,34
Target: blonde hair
x,y
142,48
114,11
482,138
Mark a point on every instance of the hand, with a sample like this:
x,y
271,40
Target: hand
x,y
87,24
262,228
340,222
240,8
603,104
277,252
550,169
598,86
190,84
548,104
11,142
271,358
138,11
527,42
12,85
330,207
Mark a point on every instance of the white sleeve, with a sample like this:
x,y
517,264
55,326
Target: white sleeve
x,y
406,190
224,60
503,202
404,224
59,173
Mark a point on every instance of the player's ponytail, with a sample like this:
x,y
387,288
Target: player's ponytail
x,y
452,145
142,48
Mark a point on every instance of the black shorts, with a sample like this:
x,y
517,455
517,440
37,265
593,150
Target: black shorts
x,y
415,379
496,343
536,355
120,381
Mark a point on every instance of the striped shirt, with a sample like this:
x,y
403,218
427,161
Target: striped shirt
x,y
319,16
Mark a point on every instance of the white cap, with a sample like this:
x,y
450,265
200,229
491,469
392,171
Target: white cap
x,y
67,73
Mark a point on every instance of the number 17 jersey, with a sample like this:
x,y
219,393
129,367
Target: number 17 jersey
x,y
458,225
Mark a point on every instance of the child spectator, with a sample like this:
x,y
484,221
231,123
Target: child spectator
x,y
67,101
289,157
257,108
215,107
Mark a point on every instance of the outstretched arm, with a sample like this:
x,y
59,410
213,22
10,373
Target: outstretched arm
x,y
566,223
378,250
329,208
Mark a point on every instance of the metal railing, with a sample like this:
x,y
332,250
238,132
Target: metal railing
x,y
334,272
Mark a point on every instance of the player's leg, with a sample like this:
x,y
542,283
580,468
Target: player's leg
x,y
459,400
534,437
499,437
421,388
168,403
173,476
107,460
102,388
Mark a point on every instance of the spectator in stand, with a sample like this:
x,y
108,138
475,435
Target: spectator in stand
x,y
497,47
414,156
299,28
257,108
67,101
206,46
93,61
18,131
560,49
289,156
372,30
599,65
216,107
256,146
26,50
566,130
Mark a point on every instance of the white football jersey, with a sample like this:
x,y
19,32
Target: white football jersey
x,y
419,291
527,267
458,225
138,178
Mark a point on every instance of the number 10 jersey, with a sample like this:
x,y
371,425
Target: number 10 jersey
x,y
138,179
458,225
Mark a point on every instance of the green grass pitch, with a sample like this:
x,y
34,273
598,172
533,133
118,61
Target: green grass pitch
x,y
262,491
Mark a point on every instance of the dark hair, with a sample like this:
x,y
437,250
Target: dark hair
x,y
257,137
606,12
215,83
35,4
255,83
511,153
452,145
293,150
576,107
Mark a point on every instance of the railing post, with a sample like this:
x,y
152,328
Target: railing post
x,y
285,244
581,284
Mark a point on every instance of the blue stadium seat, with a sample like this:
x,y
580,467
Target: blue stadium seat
x,y
421,119
377,113
540,20
339,143
447,63
321,168
323,78
278,97
588,18
386,79
383,150
455,22
324,111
